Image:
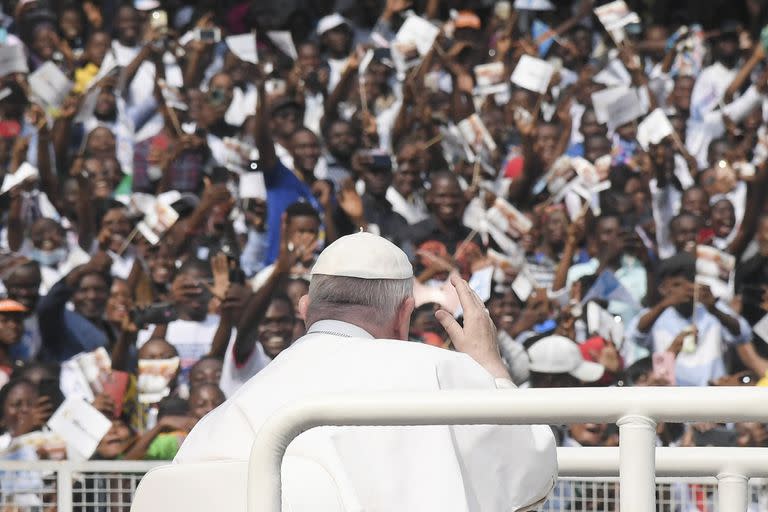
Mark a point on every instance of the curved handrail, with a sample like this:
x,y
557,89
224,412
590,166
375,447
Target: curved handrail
x,y
635,409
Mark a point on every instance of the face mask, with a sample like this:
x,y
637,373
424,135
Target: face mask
x,y
49,258
154,379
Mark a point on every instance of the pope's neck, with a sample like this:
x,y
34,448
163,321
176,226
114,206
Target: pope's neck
x,y
352,327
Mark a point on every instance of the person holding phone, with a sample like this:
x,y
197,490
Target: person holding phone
x,y
700,331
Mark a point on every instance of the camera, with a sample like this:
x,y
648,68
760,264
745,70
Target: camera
x,y
208,35
157,313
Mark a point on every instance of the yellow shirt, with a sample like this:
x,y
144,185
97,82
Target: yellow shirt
x,y
83,77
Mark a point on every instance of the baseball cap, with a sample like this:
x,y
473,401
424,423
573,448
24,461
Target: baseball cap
x,y
467,19
281,102
330,22
365,256
558,354
681,264
11,306
729,27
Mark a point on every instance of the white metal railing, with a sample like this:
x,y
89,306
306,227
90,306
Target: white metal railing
x,y
732,467
588,480
54,484
634,410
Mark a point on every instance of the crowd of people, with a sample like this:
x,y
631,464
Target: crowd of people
x,y
170,172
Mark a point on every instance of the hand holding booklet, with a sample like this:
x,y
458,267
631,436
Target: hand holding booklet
x,y
80,425
533,74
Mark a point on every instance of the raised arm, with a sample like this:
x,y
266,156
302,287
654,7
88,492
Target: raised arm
x,y
198,55
258,302
744,72
462,105
263,135
15,223
233,306
49,182
150,47
343,88
574,236
755,196
86,221
126,338
62,131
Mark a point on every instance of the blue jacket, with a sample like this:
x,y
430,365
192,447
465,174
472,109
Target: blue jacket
x,y
65,333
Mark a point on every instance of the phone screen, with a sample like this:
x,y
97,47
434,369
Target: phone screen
x,y
159,19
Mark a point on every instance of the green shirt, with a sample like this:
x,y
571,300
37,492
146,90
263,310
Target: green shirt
x,y
164,447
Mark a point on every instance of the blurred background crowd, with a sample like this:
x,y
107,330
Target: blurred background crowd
x,y
170,171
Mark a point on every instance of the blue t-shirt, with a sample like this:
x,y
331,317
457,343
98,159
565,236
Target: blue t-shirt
x,y
283,189
576,149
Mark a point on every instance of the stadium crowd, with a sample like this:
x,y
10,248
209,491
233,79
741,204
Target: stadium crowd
x,y
596,170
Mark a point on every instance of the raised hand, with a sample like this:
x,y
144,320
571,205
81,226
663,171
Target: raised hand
x,y
181,423
323,191
477,338
105,405
220,270
351,203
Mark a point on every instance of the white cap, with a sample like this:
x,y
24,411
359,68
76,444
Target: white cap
x,y
534,5
558,354
365,256
146,5
330,22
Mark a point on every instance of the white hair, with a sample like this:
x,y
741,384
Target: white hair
x,y
332,294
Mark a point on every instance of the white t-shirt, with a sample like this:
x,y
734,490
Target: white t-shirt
x,y
192,339
52,275
234,375
243,105
337,67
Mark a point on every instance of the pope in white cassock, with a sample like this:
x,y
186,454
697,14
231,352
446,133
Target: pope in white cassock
x,y
358,312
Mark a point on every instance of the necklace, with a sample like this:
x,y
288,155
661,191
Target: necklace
x,y
332,333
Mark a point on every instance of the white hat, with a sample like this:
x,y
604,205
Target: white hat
x,y
534,5
146,5
330,22
365,256
558,354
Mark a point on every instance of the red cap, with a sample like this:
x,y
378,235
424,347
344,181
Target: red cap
x,y
11,306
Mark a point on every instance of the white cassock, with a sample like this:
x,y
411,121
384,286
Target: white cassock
x,y
380,469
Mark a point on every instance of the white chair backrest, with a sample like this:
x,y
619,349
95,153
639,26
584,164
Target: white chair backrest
x,y
193,488
221,486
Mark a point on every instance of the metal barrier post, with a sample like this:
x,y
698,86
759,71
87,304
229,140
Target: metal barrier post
x,y
64,488
732,492
637,463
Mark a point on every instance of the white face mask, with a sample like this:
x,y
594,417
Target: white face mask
x,y
49,258
155,376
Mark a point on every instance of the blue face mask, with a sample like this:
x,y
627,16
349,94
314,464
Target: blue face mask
x,y
545,326
49,258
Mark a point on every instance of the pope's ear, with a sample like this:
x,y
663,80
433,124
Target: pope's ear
x,y
403,318
303,306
